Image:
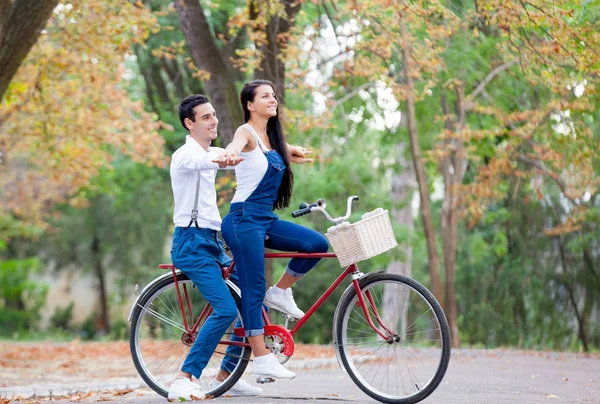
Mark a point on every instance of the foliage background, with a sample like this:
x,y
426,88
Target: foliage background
x,y
502,144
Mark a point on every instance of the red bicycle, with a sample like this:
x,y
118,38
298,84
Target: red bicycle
x,y
389,332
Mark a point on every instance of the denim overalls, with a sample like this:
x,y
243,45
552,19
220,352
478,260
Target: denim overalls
x,y
245,229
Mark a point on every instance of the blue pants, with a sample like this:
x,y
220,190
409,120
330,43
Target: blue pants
x,y
245,229
199,254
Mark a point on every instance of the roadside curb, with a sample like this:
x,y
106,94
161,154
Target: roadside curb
x,y
55,390
59,390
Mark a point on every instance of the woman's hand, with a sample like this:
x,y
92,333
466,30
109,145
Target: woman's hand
x,y
299,154
228,158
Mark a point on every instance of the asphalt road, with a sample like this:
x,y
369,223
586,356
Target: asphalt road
x,y
474,376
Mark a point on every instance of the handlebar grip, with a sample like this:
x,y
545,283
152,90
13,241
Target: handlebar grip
x,y
300,212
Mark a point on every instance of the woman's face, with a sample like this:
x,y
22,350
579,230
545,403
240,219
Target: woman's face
x,y
264,103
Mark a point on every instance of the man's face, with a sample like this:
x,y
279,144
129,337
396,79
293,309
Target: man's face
x,y
206,123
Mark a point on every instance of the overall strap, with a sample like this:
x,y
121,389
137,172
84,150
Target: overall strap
x,y
257,138
195,210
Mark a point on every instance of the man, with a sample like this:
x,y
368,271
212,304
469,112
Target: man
x,y
196,249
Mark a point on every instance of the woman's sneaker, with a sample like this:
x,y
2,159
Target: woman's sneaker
x,y
185,390
283,301
268,366
241,389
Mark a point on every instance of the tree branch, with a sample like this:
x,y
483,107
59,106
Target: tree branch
x,y
352,94
331,21
547,33
542,167
469,104
446,110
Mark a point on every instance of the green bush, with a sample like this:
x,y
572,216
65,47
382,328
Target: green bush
x,y
88,328
21,299
62,317
119,330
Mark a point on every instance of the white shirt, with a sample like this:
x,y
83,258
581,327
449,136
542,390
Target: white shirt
x,y
189,160
250,172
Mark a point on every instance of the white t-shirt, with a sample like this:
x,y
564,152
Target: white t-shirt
x,y
189,160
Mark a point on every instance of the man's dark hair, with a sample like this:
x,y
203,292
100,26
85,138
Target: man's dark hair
x,y
186,108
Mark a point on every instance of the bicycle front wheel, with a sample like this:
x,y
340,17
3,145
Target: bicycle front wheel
x,y
159,342
406,366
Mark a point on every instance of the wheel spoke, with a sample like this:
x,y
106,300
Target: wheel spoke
x,y
160,344
414,359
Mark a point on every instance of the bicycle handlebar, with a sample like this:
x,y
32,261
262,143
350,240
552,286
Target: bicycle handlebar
x,y
320,205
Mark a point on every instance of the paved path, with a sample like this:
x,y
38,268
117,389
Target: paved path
x,y
474,376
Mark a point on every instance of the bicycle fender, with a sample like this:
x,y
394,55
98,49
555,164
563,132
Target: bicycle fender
x,y
147,287
348,290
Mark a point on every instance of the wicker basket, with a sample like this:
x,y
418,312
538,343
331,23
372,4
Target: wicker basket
x,y
370,236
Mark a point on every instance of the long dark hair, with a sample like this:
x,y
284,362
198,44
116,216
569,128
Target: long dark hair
x,y
276,138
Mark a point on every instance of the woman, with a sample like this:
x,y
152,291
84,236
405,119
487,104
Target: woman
x,y
264,183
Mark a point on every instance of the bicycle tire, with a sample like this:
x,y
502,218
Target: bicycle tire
x,y
161,384
351,343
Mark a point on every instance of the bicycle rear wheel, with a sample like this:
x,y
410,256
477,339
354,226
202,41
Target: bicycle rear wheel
x,y
408,366
159,342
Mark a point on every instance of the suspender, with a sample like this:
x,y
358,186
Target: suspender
x,y
195,210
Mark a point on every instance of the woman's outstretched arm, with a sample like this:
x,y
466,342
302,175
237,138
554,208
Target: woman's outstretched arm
x,y
241,139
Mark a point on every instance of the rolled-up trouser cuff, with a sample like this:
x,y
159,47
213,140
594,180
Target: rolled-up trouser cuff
x,y
254,333
294,273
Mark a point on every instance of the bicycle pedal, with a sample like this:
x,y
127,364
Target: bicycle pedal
x,y
287,318
263,380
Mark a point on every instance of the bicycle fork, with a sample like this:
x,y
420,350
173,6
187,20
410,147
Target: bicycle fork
x,y
364,301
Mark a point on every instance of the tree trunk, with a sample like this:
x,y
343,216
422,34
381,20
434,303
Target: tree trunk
x,y
566,282
589,264
271,66
159,82
100,275
453,168
425,201
192,84
403,186
171,66
147,81
220,86
21,23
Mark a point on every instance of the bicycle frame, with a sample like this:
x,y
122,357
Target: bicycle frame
x,y
364,301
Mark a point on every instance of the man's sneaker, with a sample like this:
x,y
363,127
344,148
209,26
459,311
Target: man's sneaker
x,y
283,302
185,390
241,389
270,367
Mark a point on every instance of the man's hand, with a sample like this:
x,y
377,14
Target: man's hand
x,y
299,155
228,159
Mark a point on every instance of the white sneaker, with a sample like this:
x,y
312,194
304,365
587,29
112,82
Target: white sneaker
x,y
185,390
283,302
270,367
241,389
